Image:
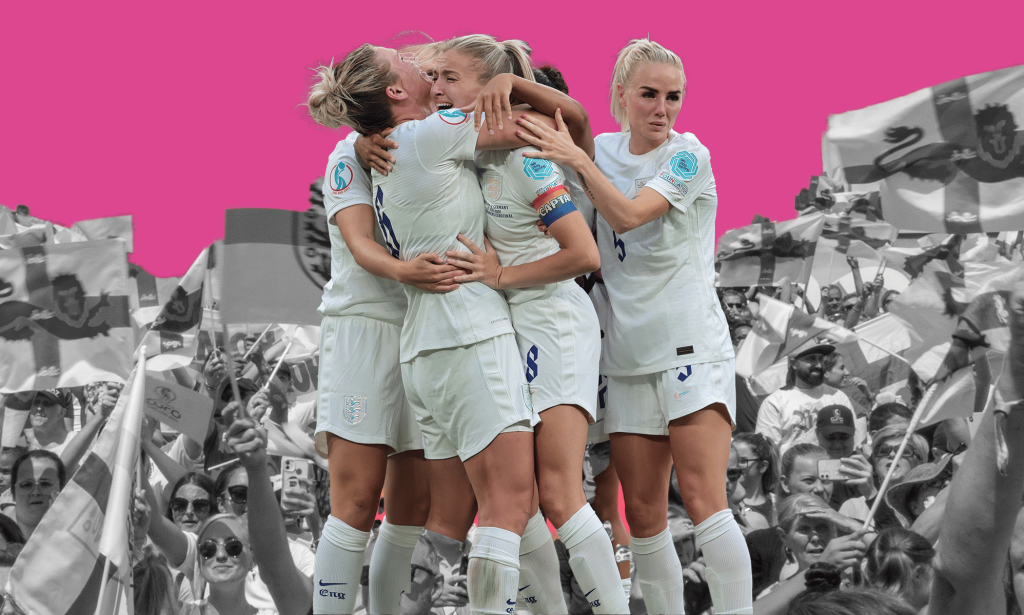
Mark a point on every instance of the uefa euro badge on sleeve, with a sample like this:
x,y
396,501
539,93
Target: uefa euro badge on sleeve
x,y
684,165
354,409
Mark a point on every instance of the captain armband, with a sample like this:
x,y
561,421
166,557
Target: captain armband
x,y
553,204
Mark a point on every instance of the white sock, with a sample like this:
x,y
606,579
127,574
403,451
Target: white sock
x,y
390,566
593,561
339,564
658,572
728,563
493,571
539,579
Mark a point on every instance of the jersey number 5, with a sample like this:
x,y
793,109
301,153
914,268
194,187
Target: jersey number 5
x,y
385,224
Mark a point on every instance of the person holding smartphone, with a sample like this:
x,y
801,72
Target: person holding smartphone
x,y
850,471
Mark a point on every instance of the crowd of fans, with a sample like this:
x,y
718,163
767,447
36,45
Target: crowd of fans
x,y
217,529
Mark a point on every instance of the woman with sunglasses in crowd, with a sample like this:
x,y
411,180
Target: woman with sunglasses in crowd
x,y
191,501
244,490
225,560
671,375
37,477
885,443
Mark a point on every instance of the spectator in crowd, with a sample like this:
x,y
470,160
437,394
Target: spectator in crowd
x,y
427,582
191,502
888,297
884,446
758,460
740,333
919,489
788,416
7,458
225,558
809,535
46,416
798,472
838,376
734,304
10,534
836,431
39,476
194,455
747,518
154,585
899,562
892,414
831,305
854,601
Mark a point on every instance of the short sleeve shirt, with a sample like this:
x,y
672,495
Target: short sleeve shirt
x,y
519,191
430,197
353,291
660,276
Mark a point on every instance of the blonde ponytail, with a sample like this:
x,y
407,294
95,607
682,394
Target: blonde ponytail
x,y
351,92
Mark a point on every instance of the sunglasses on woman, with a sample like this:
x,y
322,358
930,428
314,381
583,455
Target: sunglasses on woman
x,y
239,494
200,507
888,450
232,546
733,475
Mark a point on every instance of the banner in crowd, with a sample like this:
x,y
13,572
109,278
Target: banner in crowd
x,y
64,315
80,554
765,252
947,158
276,263
780,329
171,339
147,297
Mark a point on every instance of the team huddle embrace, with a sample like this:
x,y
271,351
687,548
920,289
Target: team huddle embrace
x,y
505,288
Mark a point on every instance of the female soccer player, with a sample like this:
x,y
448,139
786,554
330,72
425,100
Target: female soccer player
x,y
365,426
460,362
555,323
669,359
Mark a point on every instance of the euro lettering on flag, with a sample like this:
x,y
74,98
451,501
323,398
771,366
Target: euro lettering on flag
x,y
947,158
765,252
64,316
276,263
779,330
79,558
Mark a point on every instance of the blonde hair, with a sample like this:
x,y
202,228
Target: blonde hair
x,y
632,56
351,92
496,58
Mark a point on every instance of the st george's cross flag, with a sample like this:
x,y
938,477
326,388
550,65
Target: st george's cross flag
x,y
276,263
147,296
946,158
64,316
765,252
171,340
78,560
781,329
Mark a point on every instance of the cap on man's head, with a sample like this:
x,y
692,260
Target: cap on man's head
x,y
822,349
57,396
835,418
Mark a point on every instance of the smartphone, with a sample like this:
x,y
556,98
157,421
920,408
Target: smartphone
x,y
292,469
828,469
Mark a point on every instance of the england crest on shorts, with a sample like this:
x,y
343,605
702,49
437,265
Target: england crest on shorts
x,y
354,409
313,245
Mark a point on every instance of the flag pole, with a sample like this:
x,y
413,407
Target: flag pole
x,y
256,343
284,354
914,420
133,413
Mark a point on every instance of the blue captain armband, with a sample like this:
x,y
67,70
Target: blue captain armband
x,y
553,204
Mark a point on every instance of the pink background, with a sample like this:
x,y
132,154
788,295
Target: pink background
x,y
174,112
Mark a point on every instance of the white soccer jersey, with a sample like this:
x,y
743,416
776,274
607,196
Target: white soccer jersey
x,y
353,291
518,192
431,196
660,276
